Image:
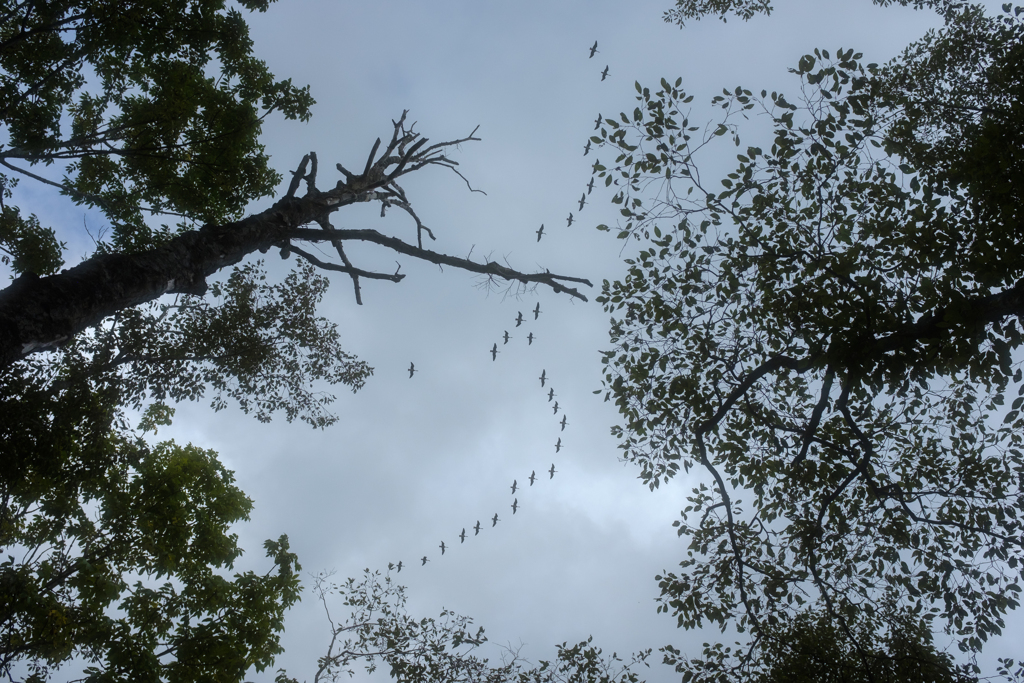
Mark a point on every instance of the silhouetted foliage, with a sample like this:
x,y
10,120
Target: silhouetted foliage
x,y
828,336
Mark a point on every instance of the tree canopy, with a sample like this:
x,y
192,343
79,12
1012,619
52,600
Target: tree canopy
x,y
379,632
151,107
686,10
828,336
119,550
156,108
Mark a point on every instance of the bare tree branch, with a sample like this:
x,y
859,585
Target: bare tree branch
x,y
41,313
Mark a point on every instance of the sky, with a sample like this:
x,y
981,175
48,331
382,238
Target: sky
x,y
412,462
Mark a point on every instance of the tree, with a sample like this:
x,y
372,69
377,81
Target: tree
x,y
31,321
686,10
810,646
122,548
380,631
85,503
151,131
830,335
162,137
120,98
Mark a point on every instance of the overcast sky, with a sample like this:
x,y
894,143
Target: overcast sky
x,y
413,461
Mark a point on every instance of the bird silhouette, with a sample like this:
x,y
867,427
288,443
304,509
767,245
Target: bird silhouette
x,y
604,74
494,351
477,528
590,186
563,422
558,445
412,370
556,408
593,50
551,394
507,337
586,150
399,566
533,477
519,319
424,560
494,520
583,200
515,505
569,220
543,377
529,338
442,547
540,232
552,471
515,485
597,122
536,311
462,536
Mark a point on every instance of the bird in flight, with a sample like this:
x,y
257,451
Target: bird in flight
x,y
536,311
507,337
442,547
543,377
583,200
552,471
424,560
412,370
529,338
462,536
494,520
586,150
558,445
540,232
563,422
519,319
515,505
551,394
494,351
604,74
590,187
556,408
477,528
597,122
515,485
570,220
399,565
533,477
593,50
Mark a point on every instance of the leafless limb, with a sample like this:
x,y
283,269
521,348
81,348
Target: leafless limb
x,y
407,151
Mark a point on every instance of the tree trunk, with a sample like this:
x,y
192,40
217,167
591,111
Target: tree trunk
x,y
38,314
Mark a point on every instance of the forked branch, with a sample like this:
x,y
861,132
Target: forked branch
x,y
407,151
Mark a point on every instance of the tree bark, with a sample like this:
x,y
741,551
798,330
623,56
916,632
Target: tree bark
x,y
40,314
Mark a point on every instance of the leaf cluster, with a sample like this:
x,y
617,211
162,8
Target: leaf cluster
x,y
812,647
146,105
693,10
829,335
380,632
258,343
117,551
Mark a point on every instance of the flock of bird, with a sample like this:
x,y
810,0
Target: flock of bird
x,y
506,337
543,378
586,151
397,566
